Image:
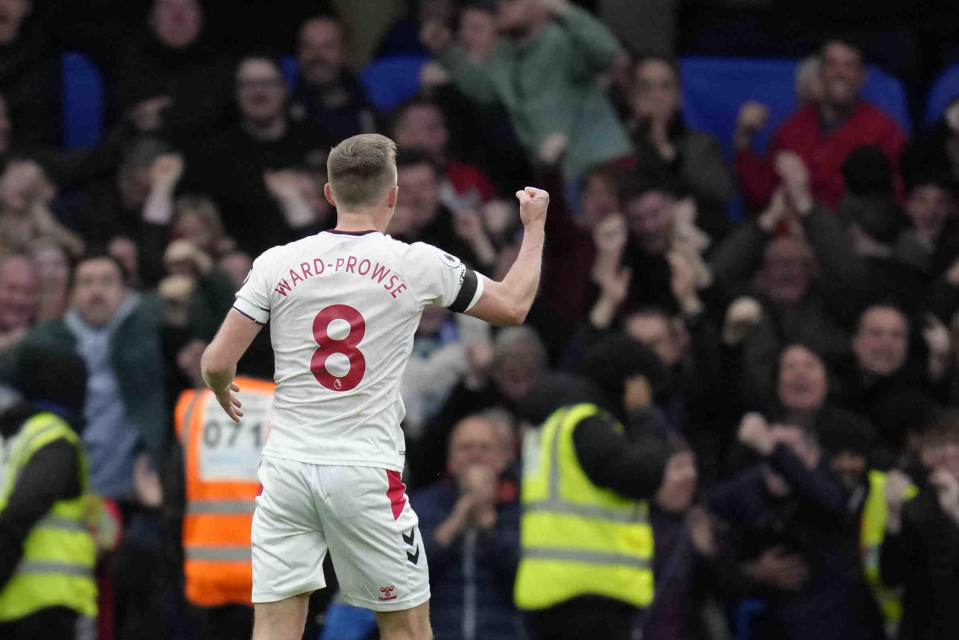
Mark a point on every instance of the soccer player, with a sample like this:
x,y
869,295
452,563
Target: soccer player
x,y
343,306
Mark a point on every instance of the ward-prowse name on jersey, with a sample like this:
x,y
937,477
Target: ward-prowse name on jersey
x,y
359,266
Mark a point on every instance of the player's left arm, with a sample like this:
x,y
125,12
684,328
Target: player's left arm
x,y
221,356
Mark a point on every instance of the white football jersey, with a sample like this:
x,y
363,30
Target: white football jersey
x,y
343,308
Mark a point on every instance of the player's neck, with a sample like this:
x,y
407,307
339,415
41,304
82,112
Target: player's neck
x,y
358,222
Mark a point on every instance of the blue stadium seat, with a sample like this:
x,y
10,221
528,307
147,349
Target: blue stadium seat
x,y
944,90
290,68
390,81
714,89
82,101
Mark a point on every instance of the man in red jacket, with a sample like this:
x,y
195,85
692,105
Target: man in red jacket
x,y
822,133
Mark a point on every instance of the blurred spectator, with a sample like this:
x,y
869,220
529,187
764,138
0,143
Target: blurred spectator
x,y
115,331
797,543
687,564
664,145
419,124
849,446
45,503
803,397
114,205
440,359
931,242
937,149
327,92
234,168
880,382
662,227
470,527
809,81
402,38
236,265
30,74
791,304
54,276
575,239
822,134
587,545
18,298
545,76
478,34
171,79
500,377
422,216
921,546
25,197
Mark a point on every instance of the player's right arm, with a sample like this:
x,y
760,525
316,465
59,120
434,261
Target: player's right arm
x,y
249,313
508,302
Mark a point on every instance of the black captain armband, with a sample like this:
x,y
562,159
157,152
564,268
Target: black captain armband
x,y
467,291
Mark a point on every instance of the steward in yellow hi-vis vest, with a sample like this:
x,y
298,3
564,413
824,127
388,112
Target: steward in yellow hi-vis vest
x,y
872,533
586,544
47,553
220,461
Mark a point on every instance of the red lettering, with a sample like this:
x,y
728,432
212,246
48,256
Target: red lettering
x,y
379,272
339,263
392,283
359,269
294,277
398,290
305,268
282,288
318,266
351,264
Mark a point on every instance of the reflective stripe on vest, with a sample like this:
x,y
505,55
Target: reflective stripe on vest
x,y
207,507
37,566
576,538
56,568
220,495
218,554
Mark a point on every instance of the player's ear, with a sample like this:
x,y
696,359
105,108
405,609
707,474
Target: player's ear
x,y
329,194
392,196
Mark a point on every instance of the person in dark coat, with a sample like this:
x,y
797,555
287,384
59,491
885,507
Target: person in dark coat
x,y
921,548
795,539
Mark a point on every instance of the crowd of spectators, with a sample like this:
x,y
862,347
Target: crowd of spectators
x,y
794,356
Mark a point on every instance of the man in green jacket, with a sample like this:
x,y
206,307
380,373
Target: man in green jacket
x,y
546,73
117,333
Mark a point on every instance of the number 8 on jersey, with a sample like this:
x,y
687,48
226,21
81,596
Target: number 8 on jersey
x,y
346,346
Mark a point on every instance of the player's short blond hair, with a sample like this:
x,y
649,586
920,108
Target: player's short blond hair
x,y
361,170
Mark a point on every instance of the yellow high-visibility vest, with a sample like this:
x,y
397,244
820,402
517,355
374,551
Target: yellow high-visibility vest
x,y
56,569
872,533
576,538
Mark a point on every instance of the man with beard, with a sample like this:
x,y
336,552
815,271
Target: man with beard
x,y
234,167
327,92
545,76
822,133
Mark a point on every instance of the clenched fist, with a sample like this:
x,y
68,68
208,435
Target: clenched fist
x,y
532,205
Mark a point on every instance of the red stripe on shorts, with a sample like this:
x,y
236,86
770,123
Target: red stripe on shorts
x,y
396,493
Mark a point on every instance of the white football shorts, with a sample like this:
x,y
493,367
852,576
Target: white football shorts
x,y
361,515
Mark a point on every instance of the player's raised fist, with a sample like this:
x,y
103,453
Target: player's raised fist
x,y
532,205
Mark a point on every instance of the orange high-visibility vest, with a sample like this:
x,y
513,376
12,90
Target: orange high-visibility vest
x,y
220,460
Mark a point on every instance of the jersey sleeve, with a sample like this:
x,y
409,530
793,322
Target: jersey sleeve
x,y
253,298
440,278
